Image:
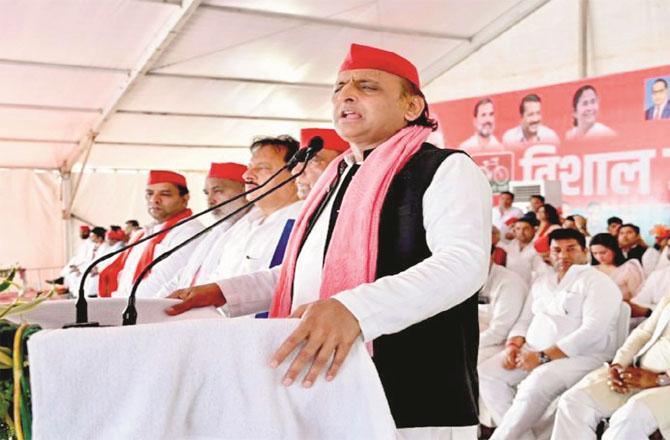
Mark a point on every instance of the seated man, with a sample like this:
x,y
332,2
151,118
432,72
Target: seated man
x,y
224,181
634,391
633,246
500,303
97,249
651,293
167,199
567,327
521,254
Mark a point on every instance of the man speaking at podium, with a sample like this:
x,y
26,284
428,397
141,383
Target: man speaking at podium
x,y
391,246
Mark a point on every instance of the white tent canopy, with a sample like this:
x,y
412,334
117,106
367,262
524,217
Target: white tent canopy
x,y
104,85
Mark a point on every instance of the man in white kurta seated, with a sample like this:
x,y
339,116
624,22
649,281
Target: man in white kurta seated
x,y
566,329
634,390
224,181
521,254
167,197
654,288
78,256
95,250
500,303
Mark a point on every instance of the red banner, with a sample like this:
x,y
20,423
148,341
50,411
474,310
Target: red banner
x,y
606,139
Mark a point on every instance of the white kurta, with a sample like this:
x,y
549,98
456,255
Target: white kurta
x,y
163,271
521,260
655,287
663,259
499,220
250,244
579,314
92,281
196,268
506,292
515,135
79,256
472,143
650,260
92,252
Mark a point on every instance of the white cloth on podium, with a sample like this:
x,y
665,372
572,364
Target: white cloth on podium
x,y
108,311
201,379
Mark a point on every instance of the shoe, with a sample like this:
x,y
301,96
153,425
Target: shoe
x,y
59,280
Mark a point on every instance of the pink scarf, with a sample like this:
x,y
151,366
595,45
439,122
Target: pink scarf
x,y
351,259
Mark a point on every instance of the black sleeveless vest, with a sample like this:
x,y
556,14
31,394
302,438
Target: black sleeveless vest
x,y
428,370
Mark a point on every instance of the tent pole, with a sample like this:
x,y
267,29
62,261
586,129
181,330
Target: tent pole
x,y
583,38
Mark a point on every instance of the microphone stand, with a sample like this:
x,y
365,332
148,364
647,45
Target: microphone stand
x,y
130,314
82,305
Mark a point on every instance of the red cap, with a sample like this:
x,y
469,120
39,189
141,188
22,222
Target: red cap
x,y
366,57
331,140
161,176
85,228
116,235
227,170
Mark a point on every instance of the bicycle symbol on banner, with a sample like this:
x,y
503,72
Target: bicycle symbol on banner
x,y
498,175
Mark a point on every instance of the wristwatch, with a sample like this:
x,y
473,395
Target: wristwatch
x,y
544,358
663,380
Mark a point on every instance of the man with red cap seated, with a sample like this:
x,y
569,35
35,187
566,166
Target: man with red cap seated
x,y
333,146
258,240
167,198
83,249
224,182
392,246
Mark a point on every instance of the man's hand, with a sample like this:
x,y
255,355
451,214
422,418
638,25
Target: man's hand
x,y
509,236
615,381
327,328
637,311
639,378
196,296
528,360
511,352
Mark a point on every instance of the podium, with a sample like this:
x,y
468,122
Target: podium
x,y
194,378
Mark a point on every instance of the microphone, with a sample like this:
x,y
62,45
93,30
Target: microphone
x,y
304,154
130,314
315,145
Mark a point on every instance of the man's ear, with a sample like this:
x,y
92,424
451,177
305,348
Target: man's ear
x,y
415,106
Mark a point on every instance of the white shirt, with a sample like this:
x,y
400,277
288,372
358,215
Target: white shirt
x,y
663,259
521,261
579,314
195,267
506,292
650,260
596,130
457,219
515,135
472,143
654,289
163,271
250,244
499,220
